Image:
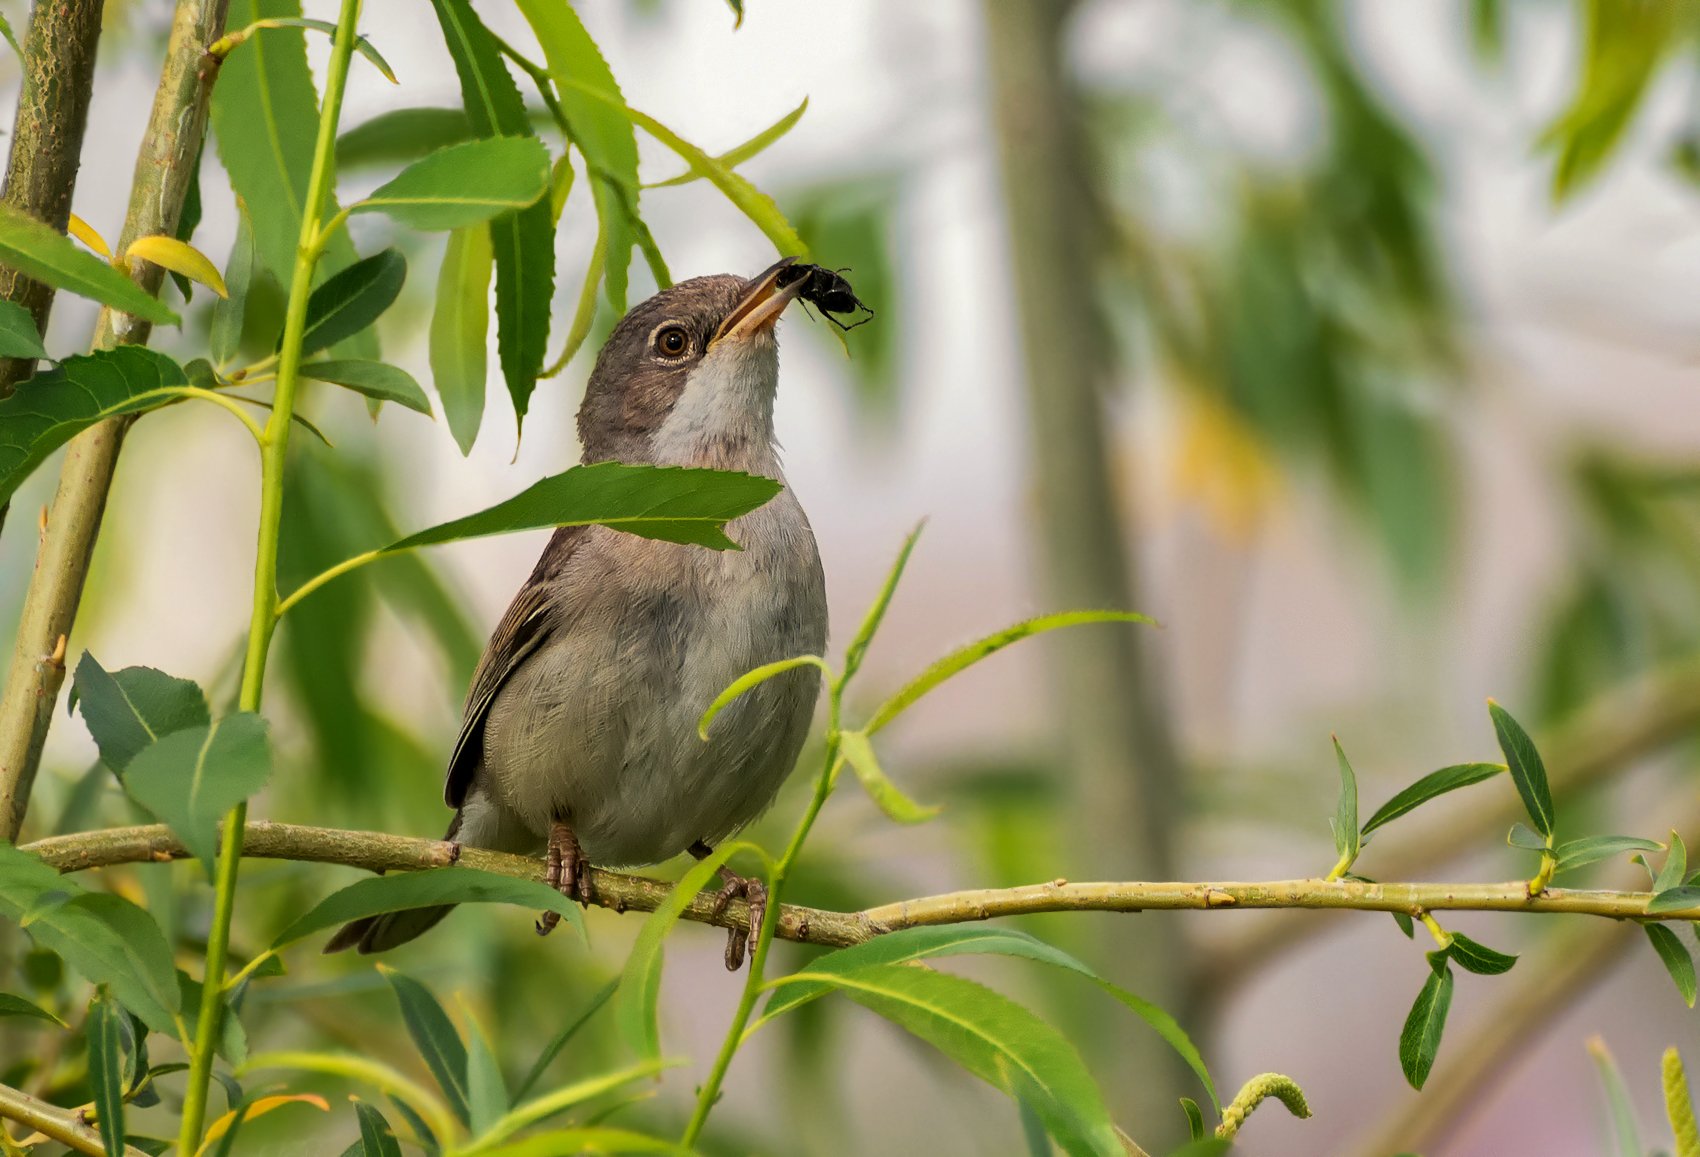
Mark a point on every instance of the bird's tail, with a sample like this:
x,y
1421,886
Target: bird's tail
x,y
389,930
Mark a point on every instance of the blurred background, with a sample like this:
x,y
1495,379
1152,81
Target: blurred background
x,y
1353,342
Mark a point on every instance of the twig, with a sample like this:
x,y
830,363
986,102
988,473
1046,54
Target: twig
x,y
380,852
54,1123
164,168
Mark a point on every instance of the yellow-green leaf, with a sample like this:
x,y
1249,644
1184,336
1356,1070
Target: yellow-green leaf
x,y
859,754
179,257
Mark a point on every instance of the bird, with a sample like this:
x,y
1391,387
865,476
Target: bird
x,y
579,734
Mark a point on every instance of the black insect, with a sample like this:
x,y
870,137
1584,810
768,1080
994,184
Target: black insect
x,y
828,291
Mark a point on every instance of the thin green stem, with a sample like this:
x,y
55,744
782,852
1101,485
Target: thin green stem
x,y
709,1093
263,621
322,578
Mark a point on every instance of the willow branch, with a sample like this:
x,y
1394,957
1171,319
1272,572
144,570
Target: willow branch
x,y
379,852
165,166
54,1123
1604,739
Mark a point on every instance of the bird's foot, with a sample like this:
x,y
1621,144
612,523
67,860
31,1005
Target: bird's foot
x,y
750,888
568,872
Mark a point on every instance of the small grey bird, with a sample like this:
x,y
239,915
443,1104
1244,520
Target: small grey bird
x,y
580,729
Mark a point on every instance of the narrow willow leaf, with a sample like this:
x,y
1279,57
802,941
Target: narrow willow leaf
x,y
460,326
1676,959
225,335
88,235
635,1004
602,134
1675,867
1527,770
378,380
464,184
858,648
750,680
426,889
38,251
403,134
1406,924
17,1006
486,1089
1622,1111
584,1139
1523,836
736,156
859,754
523,242
178,257
1573,854
226,1126
12,39
965,657
992,1037
1435,783
106,1070
1675,899
351,300
417,1104
435,1037
53,407
129,709
1194,1119
104,937
361,44
190,778
18,335
669,503
377,1139
561,1039
564,1098
1347,840
926,943
1679,1105
752,202
1420,1038
1479,958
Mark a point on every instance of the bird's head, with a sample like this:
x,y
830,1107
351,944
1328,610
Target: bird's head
x,y
687,378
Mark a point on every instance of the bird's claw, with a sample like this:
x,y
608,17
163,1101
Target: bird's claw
x,y
738,939
567,872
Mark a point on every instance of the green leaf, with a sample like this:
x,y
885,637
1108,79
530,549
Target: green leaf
x,y
992,1037
189,779
562,1038
584,1139
1527,770
402,134
464,184
18,335
673,504
377,1139
858,648
1420,1038
12,39
17,1006
39,251
224,338
378,380
859,754
1479,958
51,408
523,242
640,981
752,679
435,1037
427,889
965,657
361,44
486,1090
1435,783
1676,959
737,155
751,201
104,937
558,1101
350,301
1675,899
1675,867
1194,1119
603,136
1523,836
1679,1105
1406,924
129,709
1573,854
1347,841
106,1070
925,943
460,326
1618,1104
232,1042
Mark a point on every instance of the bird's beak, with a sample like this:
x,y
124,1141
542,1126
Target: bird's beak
x,y
769,293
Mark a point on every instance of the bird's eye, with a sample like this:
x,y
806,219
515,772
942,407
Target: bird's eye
x,y
671,341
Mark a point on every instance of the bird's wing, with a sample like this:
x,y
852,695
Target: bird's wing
x,y
520,632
